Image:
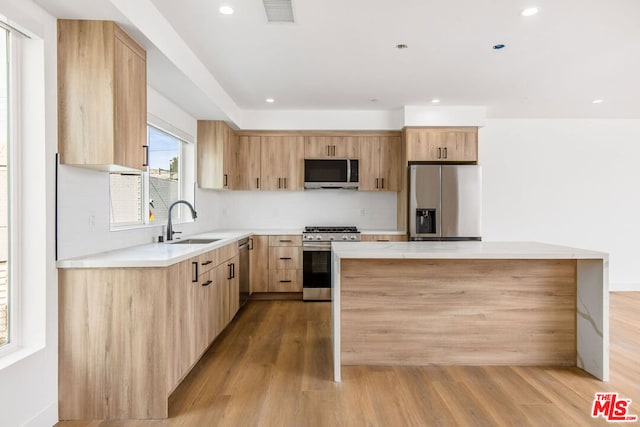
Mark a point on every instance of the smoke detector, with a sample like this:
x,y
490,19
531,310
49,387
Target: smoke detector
x,y
279,10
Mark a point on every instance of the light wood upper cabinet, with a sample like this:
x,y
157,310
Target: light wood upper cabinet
x,y
248,163
380,163
331,147
282,162
102,97
217,155
259,263
442,144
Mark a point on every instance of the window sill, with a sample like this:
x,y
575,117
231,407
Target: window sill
x,y
144,226
15,355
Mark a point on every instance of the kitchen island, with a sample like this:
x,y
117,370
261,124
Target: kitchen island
x,y
470,303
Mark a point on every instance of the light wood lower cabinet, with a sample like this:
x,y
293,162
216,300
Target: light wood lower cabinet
x,y
128,336
227,274
259,264
276,263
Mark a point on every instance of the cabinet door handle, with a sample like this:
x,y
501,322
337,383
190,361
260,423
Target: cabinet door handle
x,y
250,243
382,186
439,152
285,281
328,150
207,283
334,150
285,257
194,278
226,180
146,155
279,179
285,241
445,152
285,183
229,276
206,263
233,270
257,182
376,182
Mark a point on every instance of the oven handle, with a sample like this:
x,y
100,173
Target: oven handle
x,y
316,248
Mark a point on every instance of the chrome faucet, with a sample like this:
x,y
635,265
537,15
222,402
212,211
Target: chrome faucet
x,y
170,231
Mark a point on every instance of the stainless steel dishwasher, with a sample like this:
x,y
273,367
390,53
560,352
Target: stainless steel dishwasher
x,y
243,249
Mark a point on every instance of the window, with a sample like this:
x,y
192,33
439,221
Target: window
x,y
5,283
145,198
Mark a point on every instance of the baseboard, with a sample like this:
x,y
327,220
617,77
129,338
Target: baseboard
x,y
46,418
270,296
624,287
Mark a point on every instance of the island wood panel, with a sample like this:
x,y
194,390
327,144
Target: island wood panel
x,y
101,355
465,312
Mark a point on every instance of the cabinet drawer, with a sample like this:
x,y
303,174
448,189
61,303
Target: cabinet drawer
x,y
285,258
207,261
286,240
227,252
285,280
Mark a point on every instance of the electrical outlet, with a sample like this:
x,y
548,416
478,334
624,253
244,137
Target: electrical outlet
x,y
92,219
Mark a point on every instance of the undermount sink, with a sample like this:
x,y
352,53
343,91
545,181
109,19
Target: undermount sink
x,y
194,241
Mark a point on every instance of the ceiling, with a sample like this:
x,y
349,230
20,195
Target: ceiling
x,y
341,54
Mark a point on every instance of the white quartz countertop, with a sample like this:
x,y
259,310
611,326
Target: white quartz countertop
x,y
165,254
461,250
154,254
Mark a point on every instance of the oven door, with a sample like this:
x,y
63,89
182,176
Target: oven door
x,y
316,272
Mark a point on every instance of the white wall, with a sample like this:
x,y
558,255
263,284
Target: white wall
x,y
83,199
570,182
273,209
29,377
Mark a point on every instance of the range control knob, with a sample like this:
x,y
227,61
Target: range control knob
x,y
345,238
332,238
353,237
318,237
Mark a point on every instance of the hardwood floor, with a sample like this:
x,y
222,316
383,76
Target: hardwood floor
x,y
272,367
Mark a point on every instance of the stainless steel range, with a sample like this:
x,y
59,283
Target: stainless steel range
x,y
316,254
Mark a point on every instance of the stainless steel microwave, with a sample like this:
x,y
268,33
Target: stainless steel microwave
x,y
331,173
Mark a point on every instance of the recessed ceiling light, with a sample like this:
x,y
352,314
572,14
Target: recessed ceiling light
x,y
597,101
498,46
270,100
226,10
435,101
530,11
401,46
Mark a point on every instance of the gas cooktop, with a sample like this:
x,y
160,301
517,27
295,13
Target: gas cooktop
x,y
331,233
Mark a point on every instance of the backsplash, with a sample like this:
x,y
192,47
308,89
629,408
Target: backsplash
x,y
273,209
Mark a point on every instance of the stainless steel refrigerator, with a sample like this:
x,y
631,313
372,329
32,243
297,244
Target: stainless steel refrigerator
x,y
445,202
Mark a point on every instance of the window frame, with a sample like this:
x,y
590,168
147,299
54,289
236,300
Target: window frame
x,y
14,189
186,145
